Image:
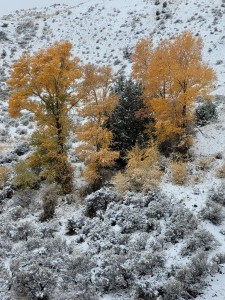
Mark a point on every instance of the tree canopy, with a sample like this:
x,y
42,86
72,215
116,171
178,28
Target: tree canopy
x,y
173,75
45,84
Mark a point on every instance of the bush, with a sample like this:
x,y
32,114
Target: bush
x,y
74,225
150,262
182,223
201,240
49,202
204,163
206,113
191,275
218,195
34,282
220,172
142,173
122,183
19,231
99,201
4,176
24,178
173,290
213,212
179,172
219,258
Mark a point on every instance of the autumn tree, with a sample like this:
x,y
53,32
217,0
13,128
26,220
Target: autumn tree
x,y
45,85
97,103
173,75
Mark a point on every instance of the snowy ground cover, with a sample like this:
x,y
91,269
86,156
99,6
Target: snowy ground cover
x,y
132,247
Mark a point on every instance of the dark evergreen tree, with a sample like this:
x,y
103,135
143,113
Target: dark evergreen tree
x,y
127,126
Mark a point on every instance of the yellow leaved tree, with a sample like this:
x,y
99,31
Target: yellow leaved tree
x,y
173,75
45,84
97,103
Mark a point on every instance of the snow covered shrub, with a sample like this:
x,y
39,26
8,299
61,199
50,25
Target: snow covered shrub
x,y
146,289
139,242
128,218
57,246
34,243
205,113
24,198
34,281
219,258
99,200
19,231
22,148
150,262
154,195
200,240
4,176
204,163
17,212
199,265
24,177
191,276
158,209
179,172
73,225
213,212
218,195
173,290
78,276
49,202
112,273
182,223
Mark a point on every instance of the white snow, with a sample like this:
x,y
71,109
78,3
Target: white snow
x,y
99,31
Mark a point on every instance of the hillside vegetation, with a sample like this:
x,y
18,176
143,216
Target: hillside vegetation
x,y
112,152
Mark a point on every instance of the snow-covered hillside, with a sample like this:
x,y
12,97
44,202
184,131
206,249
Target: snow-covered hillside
x,y
166,245
102,30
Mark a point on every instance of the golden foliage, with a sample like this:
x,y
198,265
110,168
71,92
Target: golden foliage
x,y
173,75
48,75
98,102
142,172
179,172
45,84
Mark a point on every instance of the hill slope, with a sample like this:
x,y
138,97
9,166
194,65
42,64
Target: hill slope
x,y
139,244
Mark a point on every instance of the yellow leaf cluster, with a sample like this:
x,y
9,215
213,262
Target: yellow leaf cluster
x,y
97,104
142,173
173,75
46,85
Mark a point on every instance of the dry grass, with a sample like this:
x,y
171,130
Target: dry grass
x,y
220,172
204,163
179,172
196,178
4,147
142,172
122,183
140,180
4,176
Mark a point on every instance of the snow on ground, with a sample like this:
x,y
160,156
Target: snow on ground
x,y
100,31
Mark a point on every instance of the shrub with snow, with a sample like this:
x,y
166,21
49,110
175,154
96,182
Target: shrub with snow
x,y
213,212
